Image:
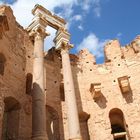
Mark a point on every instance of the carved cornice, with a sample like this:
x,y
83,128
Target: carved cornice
x,y
62,40
52,19
38,28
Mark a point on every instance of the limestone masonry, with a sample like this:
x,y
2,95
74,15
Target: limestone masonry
x,y
55,95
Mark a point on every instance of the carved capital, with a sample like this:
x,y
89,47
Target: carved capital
x,y
38,34
65,48
37,29
62,40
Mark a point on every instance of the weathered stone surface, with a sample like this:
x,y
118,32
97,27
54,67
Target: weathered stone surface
x,y
16,62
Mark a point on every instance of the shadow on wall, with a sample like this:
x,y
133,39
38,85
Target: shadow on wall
x,y
101,101
128,96
83,116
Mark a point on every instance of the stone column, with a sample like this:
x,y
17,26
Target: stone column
x,y
38,96
62,44
1,114
72,112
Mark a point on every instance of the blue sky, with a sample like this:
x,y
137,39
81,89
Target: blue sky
x,y
90,22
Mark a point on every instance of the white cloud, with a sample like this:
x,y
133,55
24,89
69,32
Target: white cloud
x,y
88,5
49,39
22,11
77,17
97,8
93,44
22,8
119,35
80,27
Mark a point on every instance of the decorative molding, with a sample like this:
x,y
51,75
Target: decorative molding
x,y
95,89
51,19
38,28
62,40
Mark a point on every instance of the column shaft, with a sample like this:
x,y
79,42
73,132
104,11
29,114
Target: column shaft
x,y
72,112
38,107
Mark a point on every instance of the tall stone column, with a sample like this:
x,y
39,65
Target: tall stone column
x,y
62,44
1,114
38,96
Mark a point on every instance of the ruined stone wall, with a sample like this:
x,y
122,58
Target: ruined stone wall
x,y
17,50
94,111
99,87
120,62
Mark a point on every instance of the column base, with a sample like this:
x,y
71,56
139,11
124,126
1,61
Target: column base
x,y
40,138
75,139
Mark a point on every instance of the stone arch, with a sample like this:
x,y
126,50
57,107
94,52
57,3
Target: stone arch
x,y
2,63
119,128
10,128
52,120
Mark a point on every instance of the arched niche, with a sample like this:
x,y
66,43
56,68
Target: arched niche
x,y
119,128
2,63
52,120
29,80
10,127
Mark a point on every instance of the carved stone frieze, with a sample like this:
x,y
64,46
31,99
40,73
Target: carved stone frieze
x,y
52,20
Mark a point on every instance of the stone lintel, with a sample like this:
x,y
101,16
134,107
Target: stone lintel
x,y
51,19
62,40
124,84
95,89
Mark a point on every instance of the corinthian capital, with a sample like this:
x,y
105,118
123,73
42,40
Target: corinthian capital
x,y
62,40
38,28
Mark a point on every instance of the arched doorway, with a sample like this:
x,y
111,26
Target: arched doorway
x,y
118,125
52,120
10,128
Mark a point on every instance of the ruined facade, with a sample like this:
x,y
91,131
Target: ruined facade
x,y
56,96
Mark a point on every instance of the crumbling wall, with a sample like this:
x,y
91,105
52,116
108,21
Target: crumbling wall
x,y
99,88
120,63
17,49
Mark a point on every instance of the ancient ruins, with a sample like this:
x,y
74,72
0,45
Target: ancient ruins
x,y
55,95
